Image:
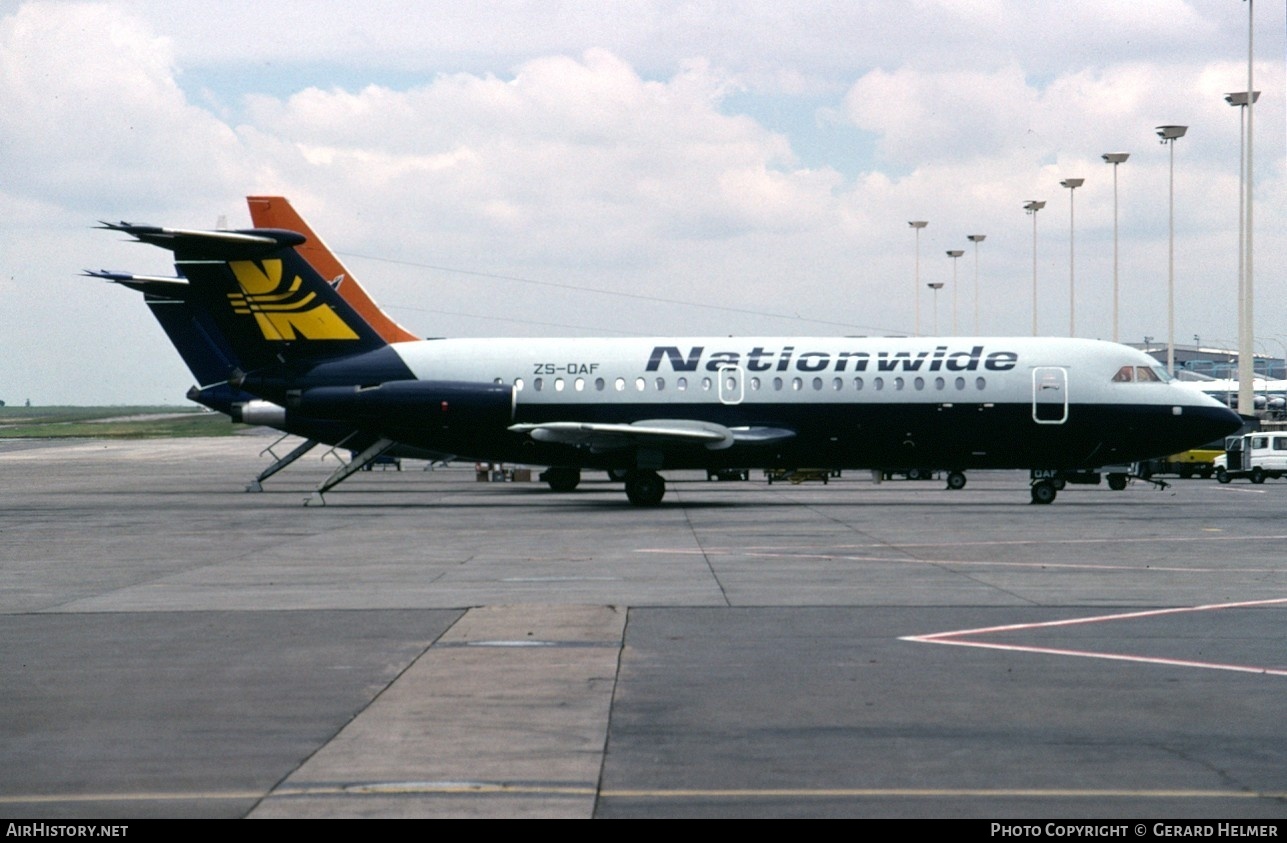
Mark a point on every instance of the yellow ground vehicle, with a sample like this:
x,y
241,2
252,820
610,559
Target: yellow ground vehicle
x,y
1196,462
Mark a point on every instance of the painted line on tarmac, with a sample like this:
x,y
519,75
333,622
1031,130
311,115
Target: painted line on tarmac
x,y
956,638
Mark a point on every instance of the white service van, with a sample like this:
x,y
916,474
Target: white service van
x,y
1256,456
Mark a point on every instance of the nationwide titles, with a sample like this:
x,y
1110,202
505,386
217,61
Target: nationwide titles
x,y
942,358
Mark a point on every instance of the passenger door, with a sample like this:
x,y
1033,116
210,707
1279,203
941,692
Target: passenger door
x,y
1049,394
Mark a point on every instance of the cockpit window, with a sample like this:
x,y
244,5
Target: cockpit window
x,y
1141,374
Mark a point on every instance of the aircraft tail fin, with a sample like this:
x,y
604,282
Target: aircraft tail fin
x,y
246,300
277,212
191,330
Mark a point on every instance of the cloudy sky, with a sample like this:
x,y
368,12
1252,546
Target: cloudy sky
x,y
637,168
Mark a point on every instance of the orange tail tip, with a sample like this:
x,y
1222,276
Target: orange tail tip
x,y
276,212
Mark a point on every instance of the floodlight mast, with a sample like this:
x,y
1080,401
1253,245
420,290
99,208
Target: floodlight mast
x,y
954,254
1032,207
976,239
1243,102
1169,135
1072,185
916,284
1115,158
935,286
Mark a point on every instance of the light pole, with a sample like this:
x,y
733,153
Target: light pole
x,y
918,225
1169,135
976,239
1072,185
935,286
1244,349
954,254
1115,158
1242,101
1032,207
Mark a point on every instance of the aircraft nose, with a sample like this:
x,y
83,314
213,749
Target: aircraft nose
x,y
1210,423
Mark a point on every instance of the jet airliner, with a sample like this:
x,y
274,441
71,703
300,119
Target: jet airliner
x,y
274,342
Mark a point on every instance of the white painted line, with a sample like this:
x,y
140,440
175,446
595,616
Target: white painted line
x,y
954,638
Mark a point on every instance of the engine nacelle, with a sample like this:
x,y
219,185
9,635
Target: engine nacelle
x,y
259,412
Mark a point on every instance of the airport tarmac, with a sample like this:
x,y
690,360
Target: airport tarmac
x,y
426,645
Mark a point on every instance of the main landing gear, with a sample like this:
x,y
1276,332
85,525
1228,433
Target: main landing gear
x,y
561,478
1044,491
645,488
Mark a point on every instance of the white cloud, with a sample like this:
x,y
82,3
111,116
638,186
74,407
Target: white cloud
x,y
93,114
579,146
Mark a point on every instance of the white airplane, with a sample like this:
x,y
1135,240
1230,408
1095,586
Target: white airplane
x,y
1266,394
278,344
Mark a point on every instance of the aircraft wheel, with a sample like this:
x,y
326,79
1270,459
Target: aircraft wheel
x,y
1257,475
617,475
561,478
1117,482
1223,476
1043,492
956,480
645,488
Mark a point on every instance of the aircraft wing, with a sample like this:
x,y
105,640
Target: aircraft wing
x,y
599,436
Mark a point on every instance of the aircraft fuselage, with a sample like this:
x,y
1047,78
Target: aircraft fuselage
x,y
887,403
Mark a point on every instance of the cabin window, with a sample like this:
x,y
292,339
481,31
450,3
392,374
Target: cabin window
x,y
620,384
858,384
681,383
599,384
706,384
960,383
980,383
755,383
817,384
837,384
878,383
498,381
797,384
537,383
777,384
939,383
579,384
558,384
640,383
518,384
919,383
898,384
661,384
